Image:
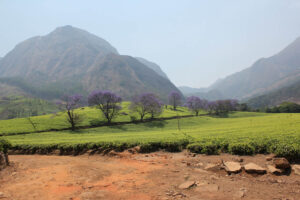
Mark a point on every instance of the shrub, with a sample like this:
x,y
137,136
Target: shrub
x,y
241,149
4,145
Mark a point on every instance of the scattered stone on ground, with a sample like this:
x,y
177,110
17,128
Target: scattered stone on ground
x,y
133,176
274,170
296,169
187,185
232,167
281,163
254,168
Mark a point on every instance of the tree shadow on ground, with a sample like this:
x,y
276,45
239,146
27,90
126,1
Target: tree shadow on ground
x,y
157,124
221,115
96,122
120,127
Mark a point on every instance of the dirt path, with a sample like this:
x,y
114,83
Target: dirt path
x,y
139,177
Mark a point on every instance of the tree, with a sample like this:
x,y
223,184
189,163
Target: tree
x,y
69,104
174,99
146,103
223,106
4,146
107,102
195,104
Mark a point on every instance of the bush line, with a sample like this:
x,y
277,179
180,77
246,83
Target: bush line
x,y
280,149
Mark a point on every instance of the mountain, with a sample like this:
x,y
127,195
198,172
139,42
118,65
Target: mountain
x,y
286,94
186,90
71,60
265,75
153,66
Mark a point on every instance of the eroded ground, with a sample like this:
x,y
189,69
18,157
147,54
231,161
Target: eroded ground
x,y
139,177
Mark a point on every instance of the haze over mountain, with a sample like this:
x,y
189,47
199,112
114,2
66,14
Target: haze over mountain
x,y
286,94
265,75
153,66
70,60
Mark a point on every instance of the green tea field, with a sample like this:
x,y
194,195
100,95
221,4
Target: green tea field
x,y
242,133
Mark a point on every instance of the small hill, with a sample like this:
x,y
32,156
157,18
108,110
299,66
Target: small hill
x,y
71,60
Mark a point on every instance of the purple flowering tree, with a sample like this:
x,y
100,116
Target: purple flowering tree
x,y
108,102
195,104
174,99
222,106
155,107
145,104
69,104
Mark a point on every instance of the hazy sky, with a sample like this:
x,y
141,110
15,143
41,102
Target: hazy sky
x,y
194,42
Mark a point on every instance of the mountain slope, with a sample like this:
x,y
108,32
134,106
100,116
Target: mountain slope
x,y
72,60
265,75
290,93
153,66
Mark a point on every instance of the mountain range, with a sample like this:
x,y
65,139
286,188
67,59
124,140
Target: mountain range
x,y
267,75
71,60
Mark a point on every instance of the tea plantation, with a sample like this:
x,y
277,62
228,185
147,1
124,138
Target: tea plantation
x,y
243,133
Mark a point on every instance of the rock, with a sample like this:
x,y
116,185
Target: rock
x,y
241,193
212,167
296,169
187,185
208,188
281,163
238,159
270,157
200,164
2,195
112,153
254,168
274,170
232,167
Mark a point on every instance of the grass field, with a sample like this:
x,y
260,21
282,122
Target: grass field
x,y
239,133
91,116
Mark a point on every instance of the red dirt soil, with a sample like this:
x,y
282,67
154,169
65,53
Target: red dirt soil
x,y
139,177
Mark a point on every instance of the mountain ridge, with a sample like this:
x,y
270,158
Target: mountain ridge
x,y
82,61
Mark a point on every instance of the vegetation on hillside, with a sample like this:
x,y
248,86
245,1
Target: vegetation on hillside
x,y
285,107
20,106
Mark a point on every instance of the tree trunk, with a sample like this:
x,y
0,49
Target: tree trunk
x,y
6,159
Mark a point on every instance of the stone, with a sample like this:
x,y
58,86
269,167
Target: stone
x,y
2,195
254,168
296,169
200,164
187,185
212,167
238,159
281,163
232,167
274,170
270,157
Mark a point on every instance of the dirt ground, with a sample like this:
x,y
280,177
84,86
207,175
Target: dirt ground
x,y
139,177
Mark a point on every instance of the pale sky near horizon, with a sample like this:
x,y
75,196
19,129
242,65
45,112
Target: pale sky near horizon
x,y
194,41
